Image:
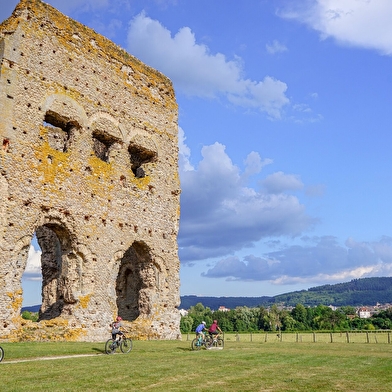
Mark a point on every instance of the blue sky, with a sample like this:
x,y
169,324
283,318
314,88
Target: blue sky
x,y
285,135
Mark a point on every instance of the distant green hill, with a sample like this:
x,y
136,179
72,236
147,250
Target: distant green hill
x,y
229,302
34,308
358,292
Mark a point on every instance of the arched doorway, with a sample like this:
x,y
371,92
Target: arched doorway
x,y
137,273
64,271
32,278
54,243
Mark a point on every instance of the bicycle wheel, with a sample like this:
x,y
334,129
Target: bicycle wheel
x,y
213,343
196,344
208,342
126,345
220,343
1,354
110,346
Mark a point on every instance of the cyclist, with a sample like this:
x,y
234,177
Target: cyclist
x,y
116,328
214,329
200,328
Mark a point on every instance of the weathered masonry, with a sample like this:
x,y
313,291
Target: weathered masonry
x,y
89,164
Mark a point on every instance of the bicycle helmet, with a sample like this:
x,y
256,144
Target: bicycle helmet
x,y
118,318
203,322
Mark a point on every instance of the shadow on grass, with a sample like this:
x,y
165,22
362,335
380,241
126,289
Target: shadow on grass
x,y
99,350
185,348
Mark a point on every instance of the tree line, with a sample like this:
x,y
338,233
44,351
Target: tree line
x,y
299,318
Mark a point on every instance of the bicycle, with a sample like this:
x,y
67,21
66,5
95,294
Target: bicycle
x,y
1,354
199,342
208,342
123,342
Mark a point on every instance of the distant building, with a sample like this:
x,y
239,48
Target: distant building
x,y
364,312
223,309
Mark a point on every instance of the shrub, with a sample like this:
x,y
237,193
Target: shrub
x,y
26,315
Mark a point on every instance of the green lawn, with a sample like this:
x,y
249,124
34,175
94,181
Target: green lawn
x,y
171,366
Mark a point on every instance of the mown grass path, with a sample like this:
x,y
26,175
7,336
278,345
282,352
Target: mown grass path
x,y
49,358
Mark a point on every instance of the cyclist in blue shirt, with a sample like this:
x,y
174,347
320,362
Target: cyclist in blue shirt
x,y
199,329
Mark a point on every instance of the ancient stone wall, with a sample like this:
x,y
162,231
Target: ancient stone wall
x,y
89,165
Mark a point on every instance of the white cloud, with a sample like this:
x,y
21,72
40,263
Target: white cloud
x,y
275,47
220,214
184,152
280,182
33,267
318,260
197,72
267,95
360,23
322,278
254,164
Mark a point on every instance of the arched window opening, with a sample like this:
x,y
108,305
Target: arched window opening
x,y
103,144
140,156
59,130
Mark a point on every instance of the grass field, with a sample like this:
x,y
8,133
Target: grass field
x,y
171,366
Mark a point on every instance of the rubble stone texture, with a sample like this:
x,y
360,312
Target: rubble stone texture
x,y
89,163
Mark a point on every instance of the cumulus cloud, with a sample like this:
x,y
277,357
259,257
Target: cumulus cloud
x,y
196,71
316,260
220,214
254,164
280,182
184,152
33,267
360,23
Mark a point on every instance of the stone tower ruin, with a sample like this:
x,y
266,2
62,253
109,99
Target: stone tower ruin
x,y
89,164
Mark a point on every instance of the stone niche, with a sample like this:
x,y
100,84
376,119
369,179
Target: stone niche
x,y
89,165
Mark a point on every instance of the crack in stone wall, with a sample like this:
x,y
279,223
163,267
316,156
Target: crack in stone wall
x,y
89,164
